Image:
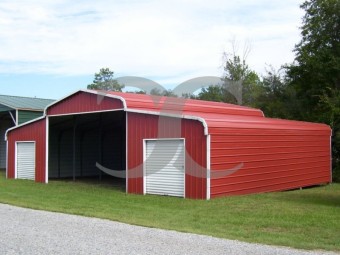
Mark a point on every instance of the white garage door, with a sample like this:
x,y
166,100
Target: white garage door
x,y
26,160
164,167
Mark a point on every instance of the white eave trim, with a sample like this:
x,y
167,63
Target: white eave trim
x,y
23,124
208,167
87,91
102,93
30,110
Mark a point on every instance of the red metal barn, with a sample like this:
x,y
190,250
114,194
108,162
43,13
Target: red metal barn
x,y
169,146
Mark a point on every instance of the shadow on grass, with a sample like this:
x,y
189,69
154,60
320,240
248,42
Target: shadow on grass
x,y
317,195
109,183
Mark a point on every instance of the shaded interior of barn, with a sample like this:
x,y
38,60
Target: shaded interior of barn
x,y
7,120
78,143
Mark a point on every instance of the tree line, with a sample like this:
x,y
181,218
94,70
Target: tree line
x,y
307,89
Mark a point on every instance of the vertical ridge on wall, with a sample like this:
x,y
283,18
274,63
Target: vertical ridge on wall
x,y
196,163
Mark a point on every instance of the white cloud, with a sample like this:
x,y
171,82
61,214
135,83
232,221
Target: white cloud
x,y
171,40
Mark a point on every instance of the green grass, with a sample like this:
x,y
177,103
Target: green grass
x,y
307,219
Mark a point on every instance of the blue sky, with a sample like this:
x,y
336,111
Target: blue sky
x,y
52,48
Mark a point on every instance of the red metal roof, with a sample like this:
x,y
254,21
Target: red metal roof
x,y
215,114
172,104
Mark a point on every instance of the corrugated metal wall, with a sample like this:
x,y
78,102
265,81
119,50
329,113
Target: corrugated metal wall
x,y
274,159
4,125
25,116
84,102
141,126
33,132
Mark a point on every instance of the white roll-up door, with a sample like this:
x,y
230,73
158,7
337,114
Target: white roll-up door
x,y
26,160
164,167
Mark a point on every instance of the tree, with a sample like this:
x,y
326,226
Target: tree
x,y
330,105
239,79
217,94
317,62
274,96
315,75
241,85
104,81
159,92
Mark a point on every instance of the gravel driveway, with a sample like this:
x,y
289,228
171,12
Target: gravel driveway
x,y
25,231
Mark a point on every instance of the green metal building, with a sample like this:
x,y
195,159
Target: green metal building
x,y
14,111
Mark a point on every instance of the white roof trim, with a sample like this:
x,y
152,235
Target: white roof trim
x,y
106,95
90,92
23,124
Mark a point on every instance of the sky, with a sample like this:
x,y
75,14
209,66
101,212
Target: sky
x,y
50,49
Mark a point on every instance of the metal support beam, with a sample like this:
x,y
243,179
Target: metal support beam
x,y
74,146
17,117
60,136
100,144
81,153
11,114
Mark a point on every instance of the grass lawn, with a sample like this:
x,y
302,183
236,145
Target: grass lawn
x,y
307,219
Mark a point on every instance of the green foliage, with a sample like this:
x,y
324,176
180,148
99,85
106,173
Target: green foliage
x,y
158,92
241,85
142,92
317,66
104,81
329,104
189,96
274,97
238,76
235,68
315,76
217,94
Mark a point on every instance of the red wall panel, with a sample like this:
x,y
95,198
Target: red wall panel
x,y
84,102
35,131
141,126
273,159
